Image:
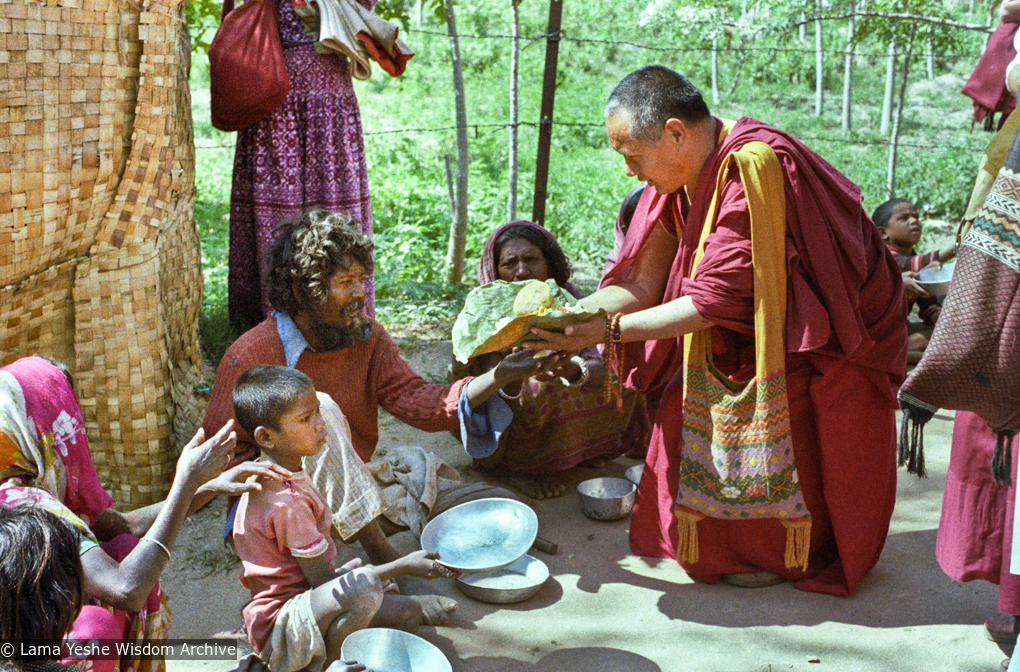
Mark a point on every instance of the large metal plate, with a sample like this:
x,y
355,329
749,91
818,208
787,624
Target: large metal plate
x,y
482,535
387,650
514,583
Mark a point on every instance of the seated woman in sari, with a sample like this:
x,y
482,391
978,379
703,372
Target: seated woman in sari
x,y
45,462
558,421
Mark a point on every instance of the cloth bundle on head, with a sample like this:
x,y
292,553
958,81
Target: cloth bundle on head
x,y
488,267
347,28
972,362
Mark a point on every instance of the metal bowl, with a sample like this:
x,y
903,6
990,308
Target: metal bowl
x,y
936,280
387,650
514,583
482,535
606,498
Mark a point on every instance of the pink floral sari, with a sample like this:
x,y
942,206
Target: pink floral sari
x,y
45,460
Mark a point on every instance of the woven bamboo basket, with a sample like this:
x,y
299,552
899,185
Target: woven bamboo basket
x,y
99,255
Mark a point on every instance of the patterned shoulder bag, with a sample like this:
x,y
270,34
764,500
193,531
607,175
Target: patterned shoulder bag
x,y
972,362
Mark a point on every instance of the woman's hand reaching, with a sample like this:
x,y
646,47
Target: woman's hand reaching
x,y
203,460
523,364
245,477
913,288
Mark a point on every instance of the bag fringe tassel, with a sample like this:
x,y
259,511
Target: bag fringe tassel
x,y
911,448
798,542
1002,458
687,533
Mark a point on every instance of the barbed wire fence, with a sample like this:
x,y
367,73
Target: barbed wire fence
x,y
477,127
742,50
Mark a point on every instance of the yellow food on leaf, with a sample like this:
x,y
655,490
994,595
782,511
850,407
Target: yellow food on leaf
x,y
535,298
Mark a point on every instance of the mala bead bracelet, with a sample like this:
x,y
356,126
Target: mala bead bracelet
x,y
612,389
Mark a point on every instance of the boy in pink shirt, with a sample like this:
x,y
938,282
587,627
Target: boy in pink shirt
x,y
302,609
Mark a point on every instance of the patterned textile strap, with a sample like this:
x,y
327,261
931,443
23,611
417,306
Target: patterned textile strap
x,y
737,452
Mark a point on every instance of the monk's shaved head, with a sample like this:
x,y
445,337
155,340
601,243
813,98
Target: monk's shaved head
x,y
651,95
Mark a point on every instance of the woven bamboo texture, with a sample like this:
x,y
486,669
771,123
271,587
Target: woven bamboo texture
x,y
99,255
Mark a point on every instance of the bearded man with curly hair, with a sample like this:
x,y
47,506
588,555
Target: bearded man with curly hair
x,y
316,265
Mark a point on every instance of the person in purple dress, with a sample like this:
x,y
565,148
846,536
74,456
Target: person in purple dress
x,y
308,153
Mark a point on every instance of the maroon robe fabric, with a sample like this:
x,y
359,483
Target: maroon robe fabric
x,y
987,84
846,343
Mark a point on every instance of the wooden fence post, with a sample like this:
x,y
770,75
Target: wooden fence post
x,y
552,50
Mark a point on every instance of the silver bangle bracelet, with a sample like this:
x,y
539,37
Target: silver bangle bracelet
x,y
158,543
585,373
509,397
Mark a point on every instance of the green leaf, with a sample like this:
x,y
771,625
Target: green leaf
x,y
488,322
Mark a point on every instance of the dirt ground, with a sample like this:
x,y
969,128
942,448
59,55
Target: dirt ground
x,y
604,609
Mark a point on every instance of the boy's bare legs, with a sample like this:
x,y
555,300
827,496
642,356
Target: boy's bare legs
x,y
402,612
436,608
346,604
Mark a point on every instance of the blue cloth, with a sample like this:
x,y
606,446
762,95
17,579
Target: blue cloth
x,y
294,342
480,428
228,527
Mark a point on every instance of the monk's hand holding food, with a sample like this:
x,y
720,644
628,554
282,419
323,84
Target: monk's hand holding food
x,y
574,338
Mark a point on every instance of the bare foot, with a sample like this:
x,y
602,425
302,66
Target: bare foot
x,y
538,487
1002,628
435,609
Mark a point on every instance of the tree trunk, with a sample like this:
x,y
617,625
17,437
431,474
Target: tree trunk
x,y
515,56
890,85
715,69
819,64
454,268
894,140
931,60
848,71
802,29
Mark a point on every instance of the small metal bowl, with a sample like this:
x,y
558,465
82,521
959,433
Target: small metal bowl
x,y
936,280
606,498
633,474
482,535
514,583
388,650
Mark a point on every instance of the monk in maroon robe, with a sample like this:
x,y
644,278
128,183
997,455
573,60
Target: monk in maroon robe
x,y
845,332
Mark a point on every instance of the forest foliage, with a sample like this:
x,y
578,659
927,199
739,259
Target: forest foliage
x,y
765,66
